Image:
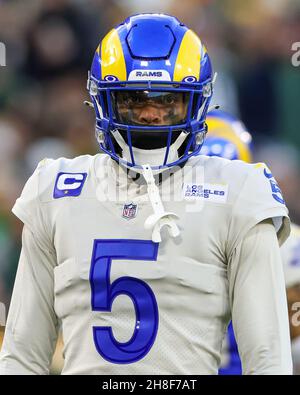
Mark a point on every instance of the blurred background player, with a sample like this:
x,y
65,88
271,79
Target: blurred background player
x,y
227,137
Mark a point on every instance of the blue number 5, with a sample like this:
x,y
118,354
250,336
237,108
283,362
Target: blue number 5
x,y
104,293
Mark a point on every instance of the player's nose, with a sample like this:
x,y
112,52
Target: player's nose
x,y
150,115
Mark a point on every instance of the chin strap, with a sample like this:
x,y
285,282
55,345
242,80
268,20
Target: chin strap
x,y
146,156
160,217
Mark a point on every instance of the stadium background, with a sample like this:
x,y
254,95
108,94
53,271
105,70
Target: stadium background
x,y
49,48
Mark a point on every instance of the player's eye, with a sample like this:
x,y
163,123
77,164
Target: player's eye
x,y
136,99
131,99
169,99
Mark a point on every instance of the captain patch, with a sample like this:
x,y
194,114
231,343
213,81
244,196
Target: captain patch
x,y
68,184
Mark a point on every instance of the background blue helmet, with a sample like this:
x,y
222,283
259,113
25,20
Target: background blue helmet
x,y
152,56
227,137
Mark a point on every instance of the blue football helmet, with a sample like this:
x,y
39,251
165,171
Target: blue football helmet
x,y
227,137
151,59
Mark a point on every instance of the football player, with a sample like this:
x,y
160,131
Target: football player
x,y
228,138
145,253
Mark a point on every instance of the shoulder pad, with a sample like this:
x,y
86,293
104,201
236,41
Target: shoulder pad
x,y
63,177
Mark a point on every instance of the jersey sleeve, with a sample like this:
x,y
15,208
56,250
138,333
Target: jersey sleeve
x,y
28,206
258,303
259,198
32,325
290,253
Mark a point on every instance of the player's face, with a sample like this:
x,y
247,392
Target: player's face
x,y
150,108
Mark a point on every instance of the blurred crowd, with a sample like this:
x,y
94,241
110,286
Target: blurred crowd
x,y
49,48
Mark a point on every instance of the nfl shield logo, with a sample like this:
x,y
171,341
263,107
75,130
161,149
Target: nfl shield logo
x,y
129,211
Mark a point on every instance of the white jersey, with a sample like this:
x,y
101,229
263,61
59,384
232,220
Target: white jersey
x,y
128,305
291,257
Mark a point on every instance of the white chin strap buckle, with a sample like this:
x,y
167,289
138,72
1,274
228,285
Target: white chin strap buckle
x,y
160,217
